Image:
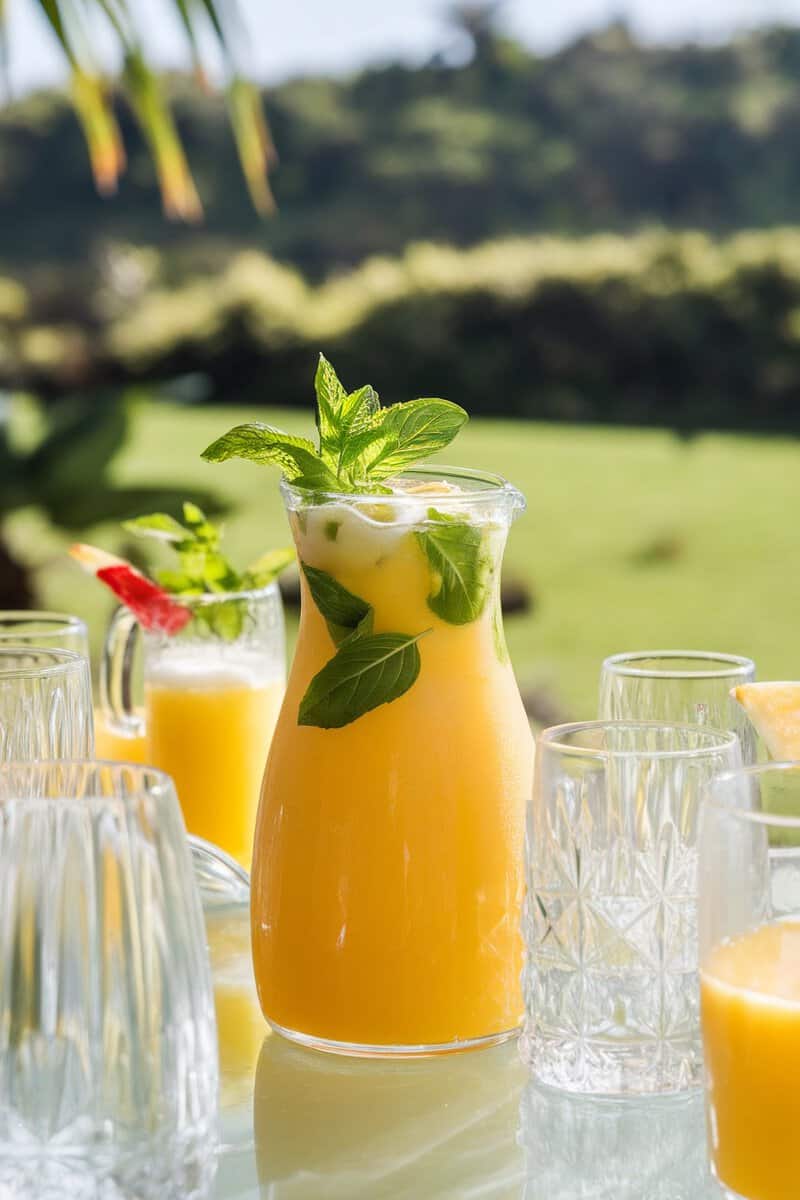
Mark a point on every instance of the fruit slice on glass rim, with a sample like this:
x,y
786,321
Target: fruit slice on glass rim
x,y
774,711
153,608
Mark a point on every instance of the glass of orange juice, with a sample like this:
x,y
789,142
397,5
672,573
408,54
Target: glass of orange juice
x,y
749,914
211,699
388,862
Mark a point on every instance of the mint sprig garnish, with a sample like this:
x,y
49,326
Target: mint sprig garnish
x,y
460,564
368,669
360,444
203,568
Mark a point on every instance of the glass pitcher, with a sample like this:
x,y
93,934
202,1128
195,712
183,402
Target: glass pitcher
x,y
211,698
388,861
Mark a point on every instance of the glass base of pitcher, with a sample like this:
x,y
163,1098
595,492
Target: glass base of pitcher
x,y
356,1050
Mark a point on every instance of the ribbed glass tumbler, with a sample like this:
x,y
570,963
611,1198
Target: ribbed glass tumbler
x,y
108,1052
611,909
53,630
45,704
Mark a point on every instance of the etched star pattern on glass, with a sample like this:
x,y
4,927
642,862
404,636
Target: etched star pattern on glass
x,y
610,916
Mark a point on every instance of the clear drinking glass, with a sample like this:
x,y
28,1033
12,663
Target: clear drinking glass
x,y
749,914
611,914
45,704
58,631
683,686
211,699
108,1053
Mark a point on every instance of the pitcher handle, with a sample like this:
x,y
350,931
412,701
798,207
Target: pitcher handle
x,y
116,671
220,878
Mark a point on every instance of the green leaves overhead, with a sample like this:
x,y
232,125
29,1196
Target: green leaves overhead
x,y
79,28
461,567
366,671
360,443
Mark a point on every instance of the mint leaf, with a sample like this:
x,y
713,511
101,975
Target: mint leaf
x,y
461,567
224,619
177,582
202,529
365,672
339,414
400,436
157,525
193,514
259,443
330,399
343,612
205,565
267,567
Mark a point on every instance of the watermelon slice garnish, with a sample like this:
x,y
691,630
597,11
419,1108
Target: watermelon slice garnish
x,y
153,608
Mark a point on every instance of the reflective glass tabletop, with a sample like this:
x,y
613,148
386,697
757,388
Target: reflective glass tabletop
x,y
297,1125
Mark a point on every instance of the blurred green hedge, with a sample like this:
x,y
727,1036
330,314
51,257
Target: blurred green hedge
x,y
660,328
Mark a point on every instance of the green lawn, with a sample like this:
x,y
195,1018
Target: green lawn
x,y
631,540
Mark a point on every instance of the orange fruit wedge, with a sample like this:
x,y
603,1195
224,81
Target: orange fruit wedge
x,y
774,712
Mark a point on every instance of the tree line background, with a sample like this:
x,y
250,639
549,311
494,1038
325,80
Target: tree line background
x,y
601,234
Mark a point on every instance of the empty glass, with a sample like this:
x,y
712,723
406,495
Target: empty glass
x,y
58,631
690,686
108,1054
611,915
45,704
749,914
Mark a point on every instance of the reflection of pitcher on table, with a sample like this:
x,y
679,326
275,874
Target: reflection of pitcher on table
x,y
210,707
331,1128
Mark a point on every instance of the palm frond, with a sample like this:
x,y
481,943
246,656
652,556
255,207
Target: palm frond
x,y
253,141
72,24
184,8
178,191
93,106
100,128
